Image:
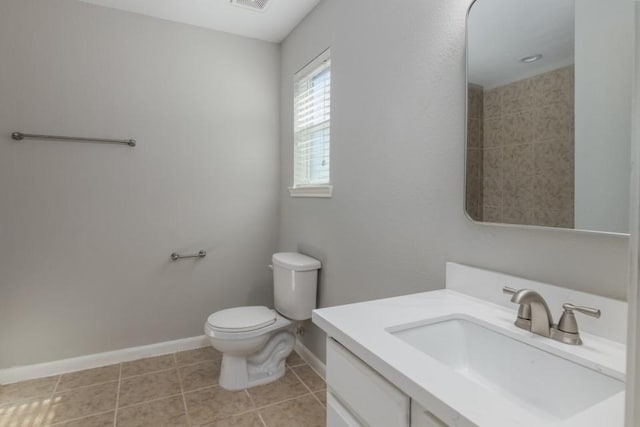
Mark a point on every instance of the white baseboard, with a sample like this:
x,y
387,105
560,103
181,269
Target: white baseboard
x,y
58,367
41,370
311,359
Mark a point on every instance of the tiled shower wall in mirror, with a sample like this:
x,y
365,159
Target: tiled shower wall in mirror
x,y
520,152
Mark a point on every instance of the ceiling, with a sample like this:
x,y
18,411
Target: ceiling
x,y
501,32
273,24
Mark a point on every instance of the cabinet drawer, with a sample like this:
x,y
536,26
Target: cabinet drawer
x,y
338,415
369,396
420,417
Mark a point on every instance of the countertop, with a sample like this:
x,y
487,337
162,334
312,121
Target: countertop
x,y
363,329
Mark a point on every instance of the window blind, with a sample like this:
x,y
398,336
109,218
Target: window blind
x,y
312,118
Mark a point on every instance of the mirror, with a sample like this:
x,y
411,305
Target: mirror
x,y
549,113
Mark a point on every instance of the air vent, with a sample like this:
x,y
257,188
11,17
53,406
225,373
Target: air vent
x,y
255,5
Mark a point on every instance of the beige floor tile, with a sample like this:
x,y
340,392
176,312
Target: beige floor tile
x,y
148,387
294,359
88,377
211,404
27,389
100,420
322,396
301,412
310,378
286,387
30,413
148,365
198,376
159,413
245,420
83,402
204,354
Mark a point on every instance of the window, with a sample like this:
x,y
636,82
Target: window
x,y
312,130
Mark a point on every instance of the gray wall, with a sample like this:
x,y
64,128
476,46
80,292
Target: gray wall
x,y
397,162
86,229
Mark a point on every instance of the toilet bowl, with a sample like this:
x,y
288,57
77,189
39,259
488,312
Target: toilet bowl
x,y
253,352
255,340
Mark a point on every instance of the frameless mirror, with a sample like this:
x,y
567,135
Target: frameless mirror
x,y
549,113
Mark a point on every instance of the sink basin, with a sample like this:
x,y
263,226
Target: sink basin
x,y
538,382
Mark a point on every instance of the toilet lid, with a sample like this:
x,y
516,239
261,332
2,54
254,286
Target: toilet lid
x,y
242,319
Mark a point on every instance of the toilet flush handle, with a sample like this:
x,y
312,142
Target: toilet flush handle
x,y
270,266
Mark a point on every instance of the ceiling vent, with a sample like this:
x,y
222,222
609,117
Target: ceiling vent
x,y
255,5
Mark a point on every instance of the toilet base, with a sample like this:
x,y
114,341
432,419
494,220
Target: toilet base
x,y
265,366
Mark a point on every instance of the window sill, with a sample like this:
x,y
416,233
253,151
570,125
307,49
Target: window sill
x,y
311,191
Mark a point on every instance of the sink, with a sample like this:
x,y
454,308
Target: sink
x,y
538,382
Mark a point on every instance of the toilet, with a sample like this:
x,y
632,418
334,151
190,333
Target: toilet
x,y
255,340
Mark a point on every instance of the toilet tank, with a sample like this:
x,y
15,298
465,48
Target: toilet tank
x,y
295,284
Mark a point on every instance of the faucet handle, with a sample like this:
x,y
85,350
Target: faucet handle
x,y
593,312
509,291
568,322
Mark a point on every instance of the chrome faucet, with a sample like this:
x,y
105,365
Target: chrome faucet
x,y
534,315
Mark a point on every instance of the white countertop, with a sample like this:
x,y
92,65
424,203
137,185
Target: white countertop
x,y
363,329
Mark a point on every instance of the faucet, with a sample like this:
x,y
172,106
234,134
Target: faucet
x,y
534,315
541,318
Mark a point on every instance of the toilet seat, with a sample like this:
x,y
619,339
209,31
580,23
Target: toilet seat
x,y
242,319
235,335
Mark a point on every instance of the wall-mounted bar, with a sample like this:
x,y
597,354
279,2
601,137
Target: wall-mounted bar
x,y
19,136
176,256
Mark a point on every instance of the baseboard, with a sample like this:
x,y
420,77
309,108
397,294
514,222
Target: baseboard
x,y
311,359
58,367
41,370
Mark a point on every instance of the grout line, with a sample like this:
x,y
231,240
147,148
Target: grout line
x,y
48,396
264,423
238,414
214,360
298,365
318,374
51,396
248,411
199,389
61,423
313,393
253,403
86,386
55,388
115,415
151,401
283,401
300,379
195,363
289,399
184,399
149,373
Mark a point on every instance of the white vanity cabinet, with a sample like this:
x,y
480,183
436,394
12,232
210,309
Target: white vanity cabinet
x,y
420,417
359,396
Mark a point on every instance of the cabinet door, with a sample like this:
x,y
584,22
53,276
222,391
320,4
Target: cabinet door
x,y
366,394
420,417
338,415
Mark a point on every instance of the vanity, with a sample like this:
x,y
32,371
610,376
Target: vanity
x,y
454,357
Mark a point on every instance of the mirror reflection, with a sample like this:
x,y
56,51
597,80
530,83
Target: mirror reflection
x,y
549,113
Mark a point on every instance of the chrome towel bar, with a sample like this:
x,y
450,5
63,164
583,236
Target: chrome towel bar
x,y
19,136
176,256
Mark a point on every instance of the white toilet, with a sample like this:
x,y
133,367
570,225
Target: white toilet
x,y
255,341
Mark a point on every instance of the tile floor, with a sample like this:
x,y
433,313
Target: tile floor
x,y
173,390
